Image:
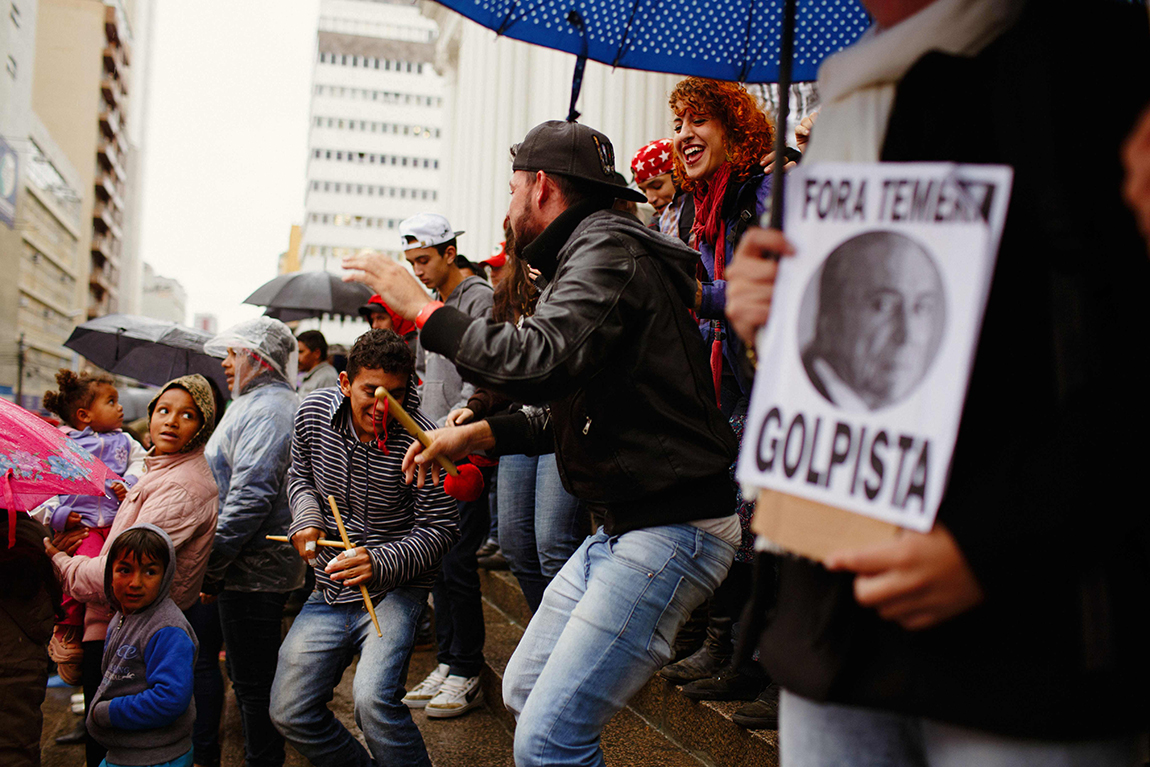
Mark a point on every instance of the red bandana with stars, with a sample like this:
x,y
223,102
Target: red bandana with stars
x,y
652,160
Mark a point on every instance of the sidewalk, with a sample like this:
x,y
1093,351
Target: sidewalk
x,y
477,739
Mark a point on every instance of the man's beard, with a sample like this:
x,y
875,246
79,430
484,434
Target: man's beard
x,y
524,231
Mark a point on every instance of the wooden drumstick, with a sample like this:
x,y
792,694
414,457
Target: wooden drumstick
x,y
407,422
347,545
320,542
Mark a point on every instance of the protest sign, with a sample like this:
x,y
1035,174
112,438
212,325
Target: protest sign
x,y
864,363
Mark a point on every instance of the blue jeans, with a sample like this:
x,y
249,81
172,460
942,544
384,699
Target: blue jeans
x,y
252,624
605,626
459,628
318,649
830,735
541,524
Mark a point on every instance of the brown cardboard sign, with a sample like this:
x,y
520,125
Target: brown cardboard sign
x,y
815,530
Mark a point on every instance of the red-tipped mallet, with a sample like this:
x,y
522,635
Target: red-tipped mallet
x,y
463,483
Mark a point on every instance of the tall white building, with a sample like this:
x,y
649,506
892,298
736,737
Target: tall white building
x,y
162,298
496,89
374,147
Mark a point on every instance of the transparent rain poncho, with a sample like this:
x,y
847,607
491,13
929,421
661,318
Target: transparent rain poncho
x,y
265,351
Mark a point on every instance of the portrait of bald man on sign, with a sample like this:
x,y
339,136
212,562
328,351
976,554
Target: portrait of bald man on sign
x,y
878,322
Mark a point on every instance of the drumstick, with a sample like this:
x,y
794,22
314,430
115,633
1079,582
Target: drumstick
x,y
347,545
413,429
320,542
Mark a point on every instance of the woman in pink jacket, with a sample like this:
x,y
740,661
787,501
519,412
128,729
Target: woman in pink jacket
x,y
176,493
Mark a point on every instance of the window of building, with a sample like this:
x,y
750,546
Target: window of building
x,y
14,14
317,152
409,67
11,67
435,164
359,189
343,60
322,58
419,69
387,65
377,63
315,186
405,162
370,191
355,61
351,124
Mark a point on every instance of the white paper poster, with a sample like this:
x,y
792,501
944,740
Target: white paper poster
x,y
863,366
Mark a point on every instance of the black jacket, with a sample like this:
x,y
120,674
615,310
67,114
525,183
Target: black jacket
x,y
1045,497
614,351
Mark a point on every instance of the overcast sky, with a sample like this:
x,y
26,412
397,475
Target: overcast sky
x,y
226,145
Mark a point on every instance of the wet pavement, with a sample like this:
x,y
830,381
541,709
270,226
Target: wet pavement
x,y
476,739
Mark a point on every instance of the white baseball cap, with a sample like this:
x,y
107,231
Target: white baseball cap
x,y
428,229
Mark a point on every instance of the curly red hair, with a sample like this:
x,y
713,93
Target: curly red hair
x,y
747,131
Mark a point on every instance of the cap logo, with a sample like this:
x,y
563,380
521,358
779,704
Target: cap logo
x,y
606,156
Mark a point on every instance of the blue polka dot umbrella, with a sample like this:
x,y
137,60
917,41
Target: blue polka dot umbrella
x,y
721,39
761,41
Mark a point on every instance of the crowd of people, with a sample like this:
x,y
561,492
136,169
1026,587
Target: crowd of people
x,y
596,372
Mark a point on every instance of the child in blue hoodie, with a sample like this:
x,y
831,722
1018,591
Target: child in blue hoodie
x,y
143,710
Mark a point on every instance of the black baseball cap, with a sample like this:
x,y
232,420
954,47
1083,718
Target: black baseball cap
x,y
575,151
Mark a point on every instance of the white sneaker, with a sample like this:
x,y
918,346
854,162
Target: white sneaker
x,y
428,688
458,695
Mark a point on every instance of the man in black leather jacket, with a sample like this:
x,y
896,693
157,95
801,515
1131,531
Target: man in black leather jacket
x,y
613,349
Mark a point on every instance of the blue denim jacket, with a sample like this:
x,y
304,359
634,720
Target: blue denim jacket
x,y
249,454
714,304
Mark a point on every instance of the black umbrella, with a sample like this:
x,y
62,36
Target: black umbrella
x,y
149,350
309,294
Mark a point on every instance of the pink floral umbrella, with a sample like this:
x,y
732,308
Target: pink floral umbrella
x,y
38,462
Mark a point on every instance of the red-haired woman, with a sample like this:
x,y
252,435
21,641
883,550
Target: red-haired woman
x,y
720,136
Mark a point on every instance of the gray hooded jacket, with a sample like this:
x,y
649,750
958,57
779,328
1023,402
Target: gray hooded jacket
x,y
443,390
143,710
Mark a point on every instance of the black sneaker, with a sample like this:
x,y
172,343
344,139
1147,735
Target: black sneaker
x,y
728,684
762,713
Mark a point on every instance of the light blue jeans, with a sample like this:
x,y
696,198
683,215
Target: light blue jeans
x,y
829,735
540,525
605,626
320,646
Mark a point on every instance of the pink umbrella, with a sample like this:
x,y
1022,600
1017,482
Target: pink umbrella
x,y
38,462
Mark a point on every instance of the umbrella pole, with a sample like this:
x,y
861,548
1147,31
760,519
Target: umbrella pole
x,y
786,58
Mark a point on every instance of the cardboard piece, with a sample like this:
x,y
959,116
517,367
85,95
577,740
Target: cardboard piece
x,y
813,529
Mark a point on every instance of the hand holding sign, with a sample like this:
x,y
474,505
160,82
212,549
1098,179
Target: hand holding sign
x,y
917,580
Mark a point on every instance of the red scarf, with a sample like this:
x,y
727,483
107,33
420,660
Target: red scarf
x,y
710,228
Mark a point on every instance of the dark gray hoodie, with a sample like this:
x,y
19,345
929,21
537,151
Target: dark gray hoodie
x,y
143,710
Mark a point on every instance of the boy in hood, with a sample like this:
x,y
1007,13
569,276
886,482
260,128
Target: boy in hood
x,y
143,710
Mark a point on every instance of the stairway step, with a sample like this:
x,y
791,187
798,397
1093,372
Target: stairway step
x,y
627,739
702,728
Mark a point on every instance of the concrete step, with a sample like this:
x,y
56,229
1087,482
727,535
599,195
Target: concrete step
x,y
660,725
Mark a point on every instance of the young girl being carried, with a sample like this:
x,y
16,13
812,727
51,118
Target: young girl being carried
x,y
176,494
90,408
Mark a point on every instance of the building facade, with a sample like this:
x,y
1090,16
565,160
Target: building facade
x,y
41,241
375,138
163,298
